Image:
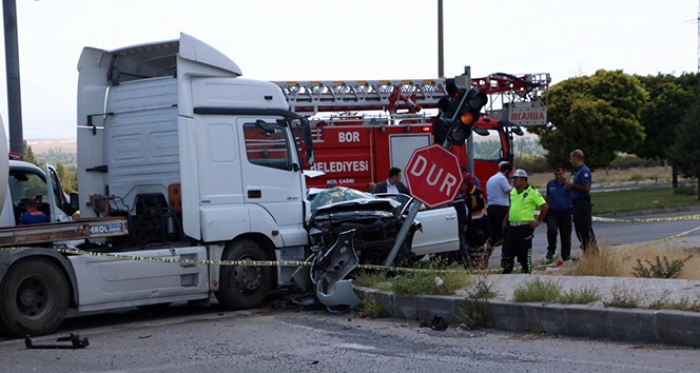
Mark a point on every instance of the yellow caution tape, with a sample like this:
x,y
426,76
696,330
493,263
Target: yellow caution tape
x,y
641,220
249,263
646,220
667,239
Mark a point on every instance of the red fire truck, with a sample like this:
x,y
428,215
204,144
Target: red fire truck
x,y
354,150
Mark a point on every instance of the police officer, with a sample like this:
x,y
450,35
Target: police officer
x,y
559,215
520,223
581,202
497,191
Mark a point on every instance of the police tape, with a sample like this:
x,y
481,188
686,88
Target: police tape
x,y
641,220
646,220
248,263
666,239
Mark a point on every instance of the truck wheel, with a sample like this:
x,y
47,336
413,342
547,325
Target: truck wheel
x,y
34,298
244,287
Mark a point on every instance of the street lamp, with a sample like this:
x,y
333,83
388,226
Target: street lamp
x,y
441,54
14,95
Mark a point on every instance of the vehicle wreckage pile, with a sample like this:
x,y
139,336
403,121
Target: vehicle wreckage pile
x,y
348,227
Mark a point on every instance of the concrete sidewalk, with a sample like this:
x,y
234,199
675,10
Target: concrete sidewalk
x,y
647,290
591,320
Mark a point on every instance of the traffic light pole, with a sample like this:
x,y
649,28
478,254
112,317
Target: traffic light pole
x,y
14,96
413,210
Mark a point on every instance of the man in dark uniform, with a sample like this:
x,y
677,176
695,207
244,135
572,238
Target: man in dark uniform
x,y
581,202
559,215
521,223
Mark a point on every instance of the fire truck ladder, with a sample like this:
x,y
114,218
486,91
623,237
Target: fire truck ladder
x,y
412,95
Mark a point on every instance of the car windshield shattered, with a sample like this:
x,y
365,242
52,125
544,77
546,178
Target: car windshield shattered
x,y
324,197
376,222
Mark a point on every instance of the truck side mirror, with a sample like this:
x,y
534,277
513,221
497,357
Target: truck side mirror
x,y
74,202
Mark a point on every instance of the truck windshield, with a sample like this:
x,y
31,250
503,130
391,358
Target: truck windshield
x,y
25,184
488,148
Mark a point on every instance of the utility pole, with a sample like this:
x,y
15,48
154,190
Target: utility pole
x,y
441,51
14,95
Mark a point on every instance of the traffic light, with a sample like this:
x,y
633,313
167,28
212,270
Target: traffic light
x,y
464,110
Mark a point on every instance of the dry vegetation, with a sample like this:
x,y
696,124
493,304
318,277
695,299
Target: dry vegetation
x,y
620,262
539,180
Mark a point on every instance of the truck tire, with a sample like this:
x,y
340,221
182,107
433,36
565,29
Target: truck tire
x,y
34,297
243,287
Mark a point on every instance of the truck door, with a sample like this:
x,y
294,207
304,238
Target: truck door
x,y
272,174
56,198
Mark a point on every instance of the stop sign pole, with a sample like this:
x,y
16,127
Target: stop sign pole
x,y
434,177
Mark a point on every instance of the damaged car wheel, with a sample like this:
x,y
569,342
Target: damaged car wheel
x,y
244,287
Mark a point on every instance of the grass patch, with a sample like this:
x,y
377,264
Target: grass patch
x,y
637,177
368,279
624,261
537,290
474,313
684,304
582,295
622,297
660,270
373,307
482,289
640,199
614,175
422,283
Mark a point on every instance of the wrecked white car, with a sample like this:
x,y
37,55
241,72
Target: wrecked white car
x,y
376,222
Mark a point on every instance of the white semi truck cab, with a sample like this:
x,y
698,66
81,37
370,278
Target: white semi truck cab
x,y
201,164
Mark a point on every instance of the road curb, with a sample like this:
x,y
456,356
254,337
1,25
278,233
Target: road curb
x,y
646,326
672,210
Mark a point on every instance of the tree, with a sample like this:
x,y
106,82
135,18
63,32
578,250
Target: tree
x,y
598,114
69,179
685,153
29,154
661,115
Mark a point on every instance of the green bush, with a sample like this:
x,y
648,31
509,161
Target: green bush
x,y
626,161
685,190
658,269
474,314
637,177
537,290
582,295
622,297
431,283
373,307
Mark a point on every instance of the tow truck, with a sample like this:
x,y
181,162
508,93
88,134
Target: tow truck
x,y
168,167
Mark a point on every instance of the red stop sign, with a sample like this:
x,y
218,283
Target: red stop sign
x,y
433,175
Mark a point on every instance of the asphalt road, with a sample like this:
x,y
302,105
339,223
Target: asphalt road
x,y
620,233
285,341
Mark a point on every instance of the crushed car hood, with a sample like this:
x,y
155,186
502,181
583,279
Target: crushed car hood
x,y
378,204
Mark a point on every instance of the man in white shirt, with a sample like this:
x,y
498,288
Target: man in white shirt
x,y
393,184
498,198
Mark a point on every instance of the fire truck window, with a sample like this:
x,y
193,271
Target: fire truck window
x,y
487,148
268,145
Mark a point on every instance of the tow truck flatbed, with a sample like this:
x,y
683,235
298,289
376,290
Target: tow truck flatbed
x,y
65,231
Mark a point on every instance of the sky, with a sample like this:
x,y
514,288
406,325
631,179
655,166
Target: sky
x,y
358,39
